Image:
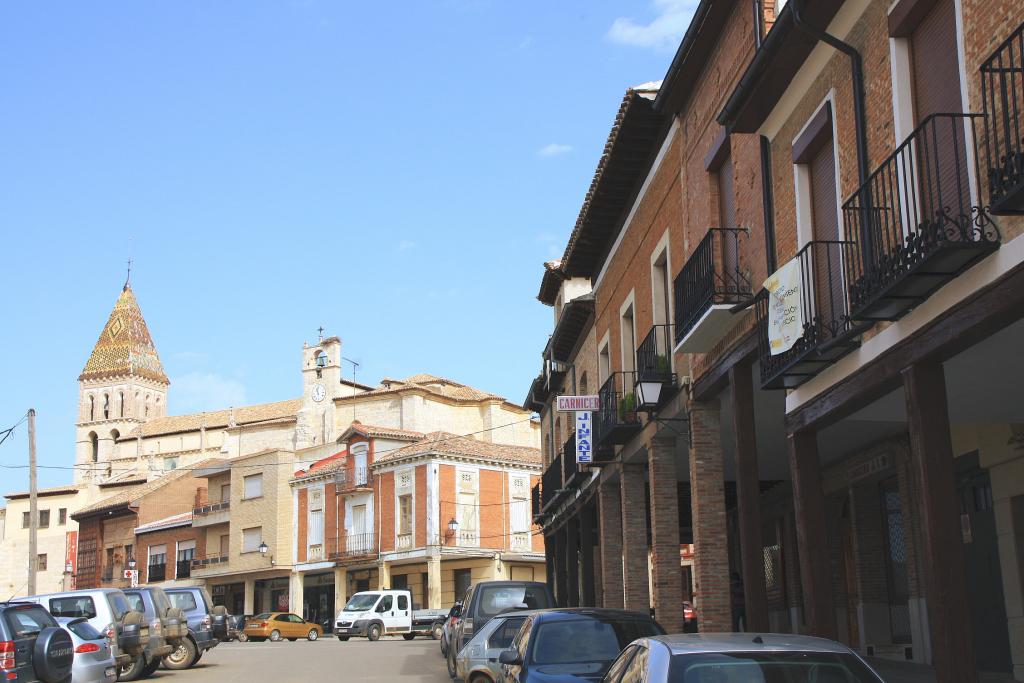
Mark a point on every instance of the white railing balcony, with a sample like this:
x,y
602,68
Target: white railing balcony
x,y
403,542
468,539
315,553
520,541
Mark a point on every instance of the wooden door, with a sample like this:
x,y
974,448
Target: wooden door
x,y
826,258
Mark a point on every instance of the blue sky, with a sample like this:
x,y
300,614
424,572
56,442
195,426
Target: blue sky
x,y
395,172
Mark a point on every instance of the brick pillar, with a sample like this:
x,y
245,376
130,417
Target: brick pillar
x,y
811,535
707,504
666,575
572,561
609,521
945,583
748,498
634,539
587,591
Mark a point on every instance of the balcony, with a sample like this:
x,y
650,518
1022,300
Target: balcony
x,y
183,569
536,504
711,282
654,377
572,476
214,513
618,419
207,561
1002,91
352,546
551,485
156,572
917,222
827,334
467,538
352,479
520,542
404,542
315,552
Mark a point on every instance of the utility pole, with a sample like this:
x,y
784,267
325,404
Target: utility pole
x,y
33,504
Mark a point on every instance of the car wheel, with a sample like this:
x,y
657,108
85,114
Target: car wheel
x,y
275,636
132,670
52,655
480,678
151,668
373,633
182,657
408,636
313,634
444,646
451,662
243,638
437,631
343,639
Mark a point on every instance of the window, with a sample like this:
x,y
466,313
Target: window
x,y
92,408
135,602
400,582
62,516
251,539
41,562
170,464
505,633
253,486
78,606
618,667
403,602
183,601
106,407
27,621
405,514
627,335
26,520
225,492
637,668
44,519
385,604
120,402
94,447
463,578
157,554
604,363
225,544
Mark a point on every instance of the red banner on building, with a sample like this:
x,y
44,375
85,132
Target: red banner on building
x,y
71,556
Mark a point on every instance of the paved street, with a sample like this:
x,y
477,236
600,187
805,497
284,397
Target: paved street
x,y
418,661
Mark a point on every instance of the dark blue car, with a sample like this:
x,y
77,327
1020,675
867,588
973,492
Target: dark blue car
x,y
573,644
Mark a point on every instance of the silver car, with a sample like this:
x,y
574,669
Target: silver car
x,y
94,661
477,662
715,657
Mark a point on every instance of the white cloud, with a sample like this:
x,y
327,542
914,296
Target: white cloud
x,y
198,391
554,149
663,32
406,245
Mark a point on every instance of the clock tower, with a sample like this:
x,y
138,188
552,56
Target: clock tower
x,y
321,384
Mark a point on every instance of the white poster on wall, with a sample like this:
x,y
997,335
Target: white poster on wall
x,y
785,317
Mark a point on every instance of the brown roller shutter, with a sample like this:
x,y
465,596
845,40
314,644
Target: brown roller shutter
x,y
828,278
727,217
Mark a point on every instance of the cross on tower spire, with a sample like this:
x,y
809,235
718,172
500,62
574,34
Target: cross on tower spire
x,y
321,331
128,279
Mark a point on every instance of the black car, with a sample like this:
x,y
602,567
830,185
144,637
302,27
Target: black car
x,y
487,599
33,646
572,644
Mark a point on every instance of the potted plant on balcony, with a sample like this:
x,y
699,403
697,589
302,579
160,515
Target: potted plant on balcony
x,y
627,407
661,365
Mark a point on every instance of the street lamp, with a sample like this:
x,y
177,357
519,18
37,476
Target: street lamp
x,y
131,563
648,394
264,548
453,528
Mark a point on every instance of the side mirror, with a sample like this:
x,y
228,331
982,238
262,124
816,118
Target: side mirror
x,y
510,657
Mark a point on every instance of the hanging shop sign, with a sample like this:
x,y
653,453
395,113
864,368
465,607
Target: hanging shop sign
x,y
584,436
570,404
785,317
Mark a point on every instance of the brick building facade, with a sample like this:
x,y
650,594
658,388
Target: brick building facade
x,y
819,476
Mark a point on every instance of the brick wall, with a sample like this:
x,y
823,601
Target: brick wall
x,y
168,537
446,496
493,518
537,541
302,524
420,498
174,498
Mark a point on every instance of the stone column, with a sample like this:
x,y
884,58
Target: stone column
x,y
931,459
434,580
666,575
587,592
707,504
634,539
811,535
295,594
609,521
340,588
561,578
748,498
383,575
572,561
249,596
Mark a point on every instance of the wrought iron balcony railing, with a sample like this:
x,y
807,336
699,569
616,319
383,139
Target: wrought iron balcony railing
x,y
572,476
617,420
551,484
348,546
203,561
536,502
828,333
211,508
712,276
352,478
1002,91
183,569
917,221
156,572
654,355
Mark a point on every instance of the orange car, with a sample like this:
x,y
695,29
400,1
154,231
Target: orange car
x,y
278,625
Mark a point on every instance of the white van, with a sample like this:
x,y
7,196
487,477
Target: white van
x,y
372,614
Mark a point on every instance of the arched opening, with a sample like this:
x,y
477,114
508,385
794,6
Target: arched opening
x,y
583,384
156,410
137,405
145,410
120,403
114,435
94,447
106,406
92,407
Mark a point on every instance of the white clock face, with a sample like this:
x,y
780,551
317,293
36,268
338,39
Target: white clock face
x,y
319,392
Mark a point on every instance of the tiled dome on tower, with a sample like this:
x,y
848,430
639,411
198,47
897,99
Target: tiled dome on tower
x,y
125,346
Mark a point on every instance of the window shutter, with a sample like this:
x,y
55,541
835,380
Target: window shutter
x,y
316,527
251,539
253,485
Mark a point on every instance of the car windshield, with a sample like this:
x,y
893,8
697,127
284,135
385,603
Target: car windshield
x,y
501,598
160,600
575,641
29,620
84,630
769,667
135,600
362,602
183,601
118,604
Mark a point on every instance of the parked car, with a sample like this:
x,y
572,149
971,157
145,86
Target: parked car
x,y
94,660
278,625
166,628
33,647
478,661
108,611
427,622
578,643
446,628
196,604
739,657
371,614
488,599
236,627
